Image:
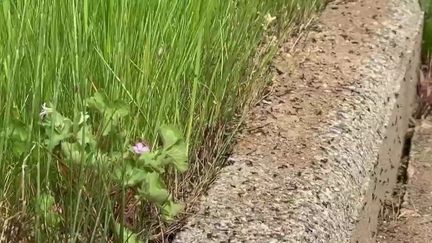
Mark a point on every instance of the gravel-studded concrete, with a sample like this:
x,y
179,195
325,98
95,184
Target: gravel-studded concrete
x,y
320,154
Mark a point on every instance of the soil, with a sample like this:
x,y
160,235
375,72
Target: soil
x,y
312,73
411,221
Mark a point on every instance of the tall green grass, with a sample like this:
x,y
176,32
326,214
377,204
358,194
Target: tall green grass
x,y
194,64
427,28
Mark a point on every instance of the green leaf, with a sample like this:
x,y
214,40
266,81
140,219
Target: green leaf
x,y
83,118
16,130
112,113
58,129
57,121
107,126
19,148
170,135
85,136
112,116
128,235
154,189
130,176
18,133
136,176
175,147
80,119
45,204
178,156
152,161
97,101
55,138
72,152
120,110
170,209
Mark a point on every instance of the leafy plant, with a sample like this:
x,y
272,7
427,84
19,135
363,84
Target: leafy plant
x,y
75,143
18,134
148,169
48,210
112,112
128,236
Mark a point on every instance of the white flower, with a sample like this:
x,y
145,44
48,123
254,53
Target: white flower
x,y
268,19
45,111
83,118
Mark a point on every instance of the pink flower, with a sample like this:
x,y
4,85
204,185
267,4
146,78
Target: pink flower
x,y
140,148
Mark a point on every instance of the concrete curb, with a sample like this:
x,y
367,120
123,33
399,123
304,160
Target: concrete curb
x,y
353,153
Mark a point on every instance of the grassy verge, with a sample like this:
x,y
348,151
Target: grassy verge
x,y
97,162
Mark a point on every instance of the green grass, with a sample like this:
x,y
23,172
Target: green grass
x,y
427,28
194,64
